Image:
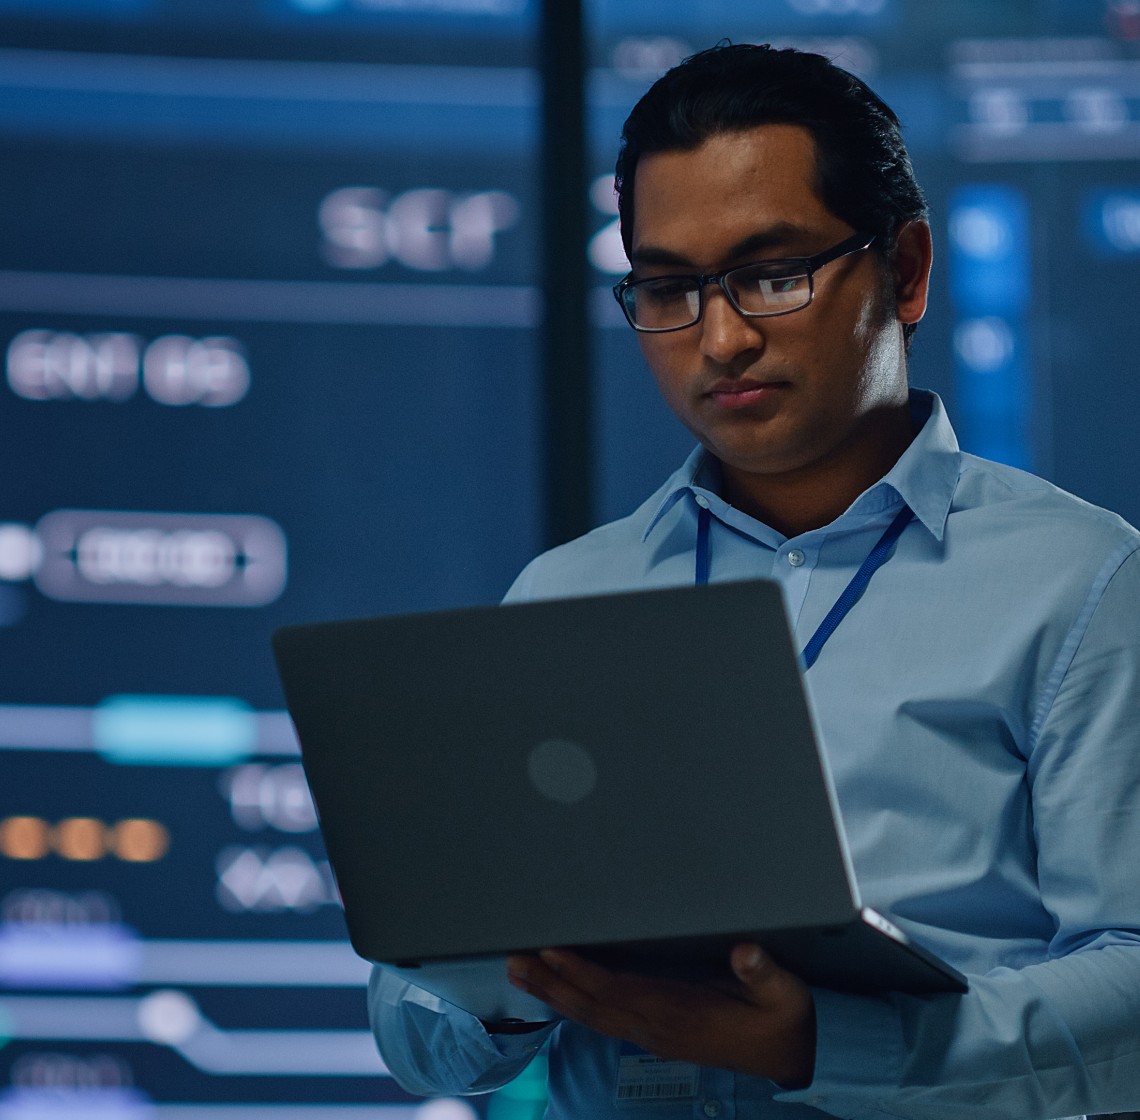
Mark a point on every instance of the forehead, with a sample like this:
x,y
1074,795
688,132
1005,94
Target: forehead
x,y
734,186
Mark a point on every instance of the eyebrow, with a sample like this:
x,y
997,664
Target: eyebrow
x,y
774,237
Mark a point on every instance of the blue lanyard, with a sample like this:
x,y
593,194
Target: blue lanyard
x,y
876,558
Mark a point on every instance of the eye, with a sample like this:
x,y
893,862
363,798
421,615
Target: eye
x,y
666,288
775,271
767,288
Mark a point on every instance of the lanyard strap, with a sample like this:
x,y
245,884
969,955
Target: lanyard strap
x,y
876,558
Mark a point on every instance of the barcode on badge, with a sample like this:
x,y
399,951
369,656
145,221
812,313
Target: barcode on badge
x,y
643,1077
671,1090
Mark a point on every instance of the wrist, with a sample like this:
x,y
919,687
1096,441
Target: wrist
x,y
797,1065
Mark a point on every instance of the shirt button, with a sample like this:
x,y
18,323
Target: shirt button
x,y
712,1108
795,558
702,501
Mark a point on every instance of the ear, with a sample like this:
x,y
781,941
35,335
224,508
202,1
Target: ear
x,y
911,268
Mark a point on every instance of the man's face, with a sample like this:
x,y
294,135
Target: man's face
x,y
773,395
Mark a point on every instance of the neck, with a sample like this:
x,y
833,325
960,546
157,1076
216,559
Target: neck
x,y
806,498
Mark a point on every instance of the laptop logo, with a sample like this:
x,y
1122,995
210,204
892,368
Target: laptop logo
x,y
562,770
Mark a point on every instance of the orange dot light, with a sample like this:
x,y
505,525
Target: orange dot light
x,y
24,837
138,840
81,838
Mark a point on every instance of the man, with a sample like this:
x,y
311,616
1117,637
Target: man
x,y
980,704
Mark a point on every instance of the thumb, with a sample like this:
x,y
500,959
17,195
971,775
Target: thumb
x,y
787,1009
761,977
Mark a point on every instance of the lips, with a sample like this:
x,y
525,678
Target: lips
x,y
743,392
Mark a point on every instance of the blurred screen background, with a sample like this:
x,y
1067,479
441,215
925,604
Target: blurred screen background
x,y
269,312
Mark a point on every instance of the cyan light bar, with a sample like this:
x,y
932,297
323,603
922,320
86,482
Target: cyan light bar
x,y
174,730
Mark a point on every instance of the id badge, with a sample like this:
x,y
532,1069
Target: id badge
x,y
643,1078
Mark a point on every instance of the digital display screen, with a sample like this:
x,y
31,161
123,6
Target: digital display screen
x,y
269,322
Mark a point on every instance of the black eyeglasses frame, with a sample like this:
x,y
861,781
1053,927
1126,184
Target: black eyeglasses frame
x,y
856,243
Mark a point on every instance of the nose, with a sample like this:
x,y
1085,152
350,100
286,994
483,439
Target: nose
x,y
725,333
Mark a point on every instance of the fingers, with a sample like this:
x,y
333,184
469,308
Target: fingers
x,y
583,974
766,1027
562,979
615,1004
576,985
542,976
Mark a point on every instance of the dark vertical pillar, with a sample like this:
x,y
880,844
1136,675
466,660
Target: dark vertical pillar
x,y
565,347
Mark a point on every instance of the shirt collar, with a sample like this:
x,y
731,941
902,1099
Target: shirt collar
x,y
925,476
691,477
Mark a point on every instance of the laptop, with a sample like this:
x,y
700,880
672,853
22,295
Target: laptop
x,y
636,776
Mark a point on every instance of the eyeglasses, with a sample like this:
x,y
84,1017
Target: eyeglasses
x,y
671,303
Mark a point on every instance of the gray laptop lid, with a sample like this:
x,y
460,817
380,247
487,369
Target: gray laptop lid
x,y
634,772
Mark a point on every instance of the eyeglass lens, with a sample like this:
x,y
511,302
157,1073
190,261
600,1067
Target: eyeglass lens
x,y
676,301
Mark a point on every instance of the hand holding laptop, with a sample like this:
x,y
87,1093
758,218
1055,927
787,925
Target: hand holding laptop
x,y
764,1027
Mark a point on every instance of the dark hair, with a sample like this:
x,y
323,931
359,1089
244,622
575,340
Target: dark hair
x,y
864,174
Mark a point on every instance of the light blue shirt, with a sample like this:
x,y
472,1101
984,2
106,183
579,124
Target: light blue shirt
x,y
980,710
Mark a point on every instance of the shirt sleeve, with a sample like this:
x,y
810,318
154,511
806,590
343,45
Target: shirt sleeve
x,y
1059,1037
432,1048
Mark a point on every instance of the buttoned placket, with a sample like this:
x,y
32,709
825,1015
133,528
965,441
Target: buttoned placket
x,y
795,561
717,1097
